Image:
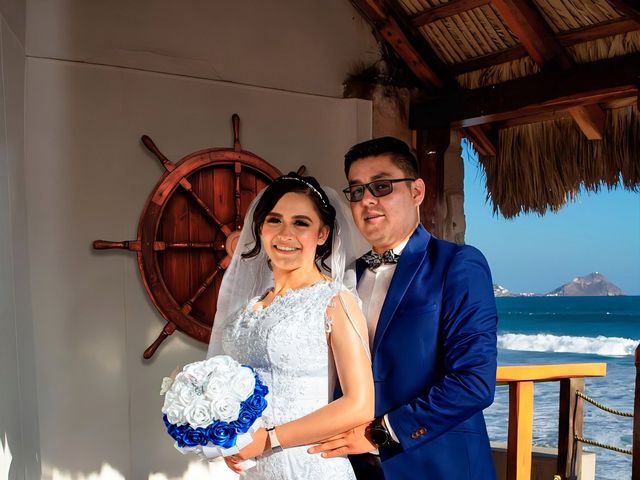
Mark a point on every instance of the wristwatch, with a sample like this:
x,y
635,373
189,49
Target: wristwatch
x,y
378,432
273,440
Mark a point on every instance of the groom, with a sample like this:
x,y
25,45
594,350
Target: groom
x,y
432,321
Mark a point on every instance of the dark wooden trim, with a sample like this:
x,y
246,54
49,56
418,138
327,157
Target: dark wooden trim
x,y
432,143
534,33
570,423
586,83
454,7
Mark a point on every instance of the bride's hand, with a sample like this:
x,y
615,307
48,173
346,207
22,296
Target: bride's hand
x,y
257,446
232,463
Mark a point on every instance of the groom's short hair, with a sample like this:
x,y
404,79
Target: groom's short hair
x,y
400,153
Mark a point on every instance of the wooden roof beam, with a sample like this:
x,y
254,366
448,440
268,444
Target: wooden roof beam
x,y
414,51
584,84
454,7
566,39
534,33
590,119
630,8
484,145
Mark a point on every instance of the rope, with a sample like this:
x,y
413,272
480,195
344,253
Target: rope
x,y
602,445
603,407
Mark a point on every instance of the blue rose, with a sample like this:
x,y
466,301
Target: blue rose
x,y
166,421
257,403
245,419
195,437
261,388
222,434
176,431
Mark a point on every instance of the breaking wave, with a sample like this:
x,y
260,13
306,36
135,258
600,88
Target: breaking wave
x,y
542,342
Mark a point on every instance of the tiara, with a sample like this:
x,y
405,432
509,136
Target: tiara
x,y
311,187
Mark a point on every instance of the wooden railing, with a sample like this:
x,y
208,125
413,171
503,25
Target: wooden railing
x,y
521,381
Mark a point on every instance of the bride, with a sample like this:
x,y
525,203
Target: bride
x,y
297,327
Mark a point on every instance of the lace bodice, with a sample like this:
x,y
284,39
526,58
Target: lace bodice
x,y
286,343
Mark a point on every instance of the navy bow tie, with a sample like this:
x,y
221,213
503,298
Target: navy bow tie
x,y
374,260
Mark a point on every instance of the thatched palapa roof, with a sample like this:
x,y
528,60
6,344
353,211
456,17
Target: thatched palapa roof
x,y
546,90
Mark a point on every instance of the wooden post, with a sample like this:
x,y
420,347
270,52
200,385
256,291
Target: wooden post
x,y
570,423
635,466
431,145
519,442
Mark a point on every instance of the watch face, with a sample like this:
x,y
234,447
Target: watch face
x,y
379,436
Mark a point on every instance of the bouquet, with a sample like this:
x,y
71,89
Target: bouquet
x,y
213,407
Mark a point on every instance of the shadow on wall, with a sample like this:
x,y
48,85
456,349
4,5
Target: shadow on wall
x,y
199,470
195,471
5,458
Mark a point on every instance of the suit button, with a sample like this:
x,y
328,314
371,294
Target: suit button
x,y
422,431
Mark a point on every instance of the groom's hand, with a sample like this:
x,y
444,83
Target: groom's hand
x,y
351,442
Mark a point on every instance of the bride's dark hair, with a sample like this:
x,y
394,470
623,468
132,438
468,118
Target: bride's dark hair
x,y
308,186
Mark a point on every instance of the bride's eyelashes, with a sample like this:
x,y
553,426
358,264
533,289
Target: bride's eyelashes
x,y
276,220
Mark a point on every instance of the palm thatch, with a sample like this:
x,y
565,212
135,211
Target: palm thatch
x,y
499,73
541,166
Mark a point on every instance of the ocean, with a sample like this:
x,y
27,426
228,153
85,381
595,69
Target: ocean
x,y
543,330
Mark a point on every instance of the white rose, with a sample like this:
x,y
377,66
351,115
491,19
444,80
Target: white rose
x,y
186,394
198,414
223,367
225,407
171,398
196,372
174,414
242,384
215,388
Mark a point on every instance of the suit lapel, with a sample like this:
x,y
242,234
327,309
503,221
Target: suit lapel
x,y
410,260
360,267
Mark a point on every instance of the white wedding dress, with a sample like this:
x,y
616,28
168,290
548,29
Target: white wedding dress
x,y
286,343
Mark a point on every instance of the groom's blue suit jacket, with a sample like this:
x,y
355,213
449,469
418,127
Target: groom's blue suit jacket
x,y
434,361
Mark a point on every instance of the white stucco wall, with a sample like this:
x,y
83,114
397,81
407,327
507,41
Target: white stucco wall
x,y
19,457
88,177
295,45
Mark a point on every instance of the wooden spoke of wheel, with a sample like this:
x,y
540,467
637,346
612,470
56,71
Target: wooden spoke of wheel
x,y
222,265
133,245
184,183
226,230
158,246
168,329
237,168
216,246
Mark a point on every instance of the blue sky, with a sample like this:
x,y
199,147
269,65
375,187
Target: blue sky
x,y
598,232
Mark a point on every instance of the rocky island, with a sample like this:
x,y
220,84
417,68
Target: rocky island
x,y
592,285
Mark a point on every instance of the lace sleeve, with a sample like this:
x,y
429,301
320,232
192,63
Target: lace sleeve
x,y
346,305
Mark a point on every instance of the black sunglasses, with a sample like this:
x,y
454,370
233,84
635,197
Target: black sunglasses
x,y
379,188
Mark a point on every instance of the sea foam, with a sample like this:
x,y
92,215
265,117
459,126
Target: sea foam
x,y
600,345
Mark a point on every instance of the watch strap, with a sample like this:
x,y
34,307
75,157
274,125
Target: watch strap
x,y
273,440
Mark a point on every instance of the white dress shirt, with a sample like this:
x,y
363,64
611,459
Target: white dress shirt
x,y
372,290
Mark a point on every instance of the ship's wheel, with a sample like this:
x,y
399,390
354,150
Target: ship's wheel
x,y
188,230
